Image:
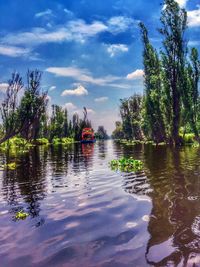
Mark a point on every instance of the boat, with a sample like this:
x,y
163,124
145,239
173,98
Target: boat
x,y
87,136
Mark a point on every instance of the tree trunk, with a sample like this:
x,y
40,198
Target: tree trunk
x,y
176,117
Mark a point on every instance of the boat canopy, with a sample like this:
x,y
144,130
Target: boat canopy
x,y
87,134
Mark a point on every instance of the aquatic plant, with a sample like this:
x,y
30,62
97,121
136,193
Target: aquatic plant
x,y
9,166
62,141
133,142
16,145
126,164
21,215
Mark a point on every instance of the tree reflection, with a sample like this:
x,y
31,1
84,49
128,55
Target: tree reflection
x,y
174,222
171,179
26,184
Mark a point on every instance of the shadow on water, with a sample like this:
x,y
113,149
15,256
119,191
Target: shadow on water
x,y
72,193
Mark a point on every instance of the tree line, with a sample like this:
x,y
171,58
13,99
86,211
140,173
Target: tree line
x,y
171,102
24,112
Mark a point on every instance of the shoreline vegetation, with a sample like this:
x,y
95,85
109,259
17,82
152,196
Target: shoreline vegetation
x,y
27,120
168,112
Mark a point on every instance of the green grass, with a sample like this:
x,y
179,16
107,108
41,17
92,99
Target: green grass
x,y
126,164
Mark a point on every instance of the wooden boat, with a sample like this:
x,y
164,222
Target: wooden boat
x,y
87,136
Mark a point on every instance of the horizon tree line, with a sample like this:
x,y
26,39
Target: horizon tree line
x,y
24,113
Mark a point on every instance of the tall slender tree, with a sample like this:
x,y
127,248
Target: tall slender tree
x,y
174,23
153,87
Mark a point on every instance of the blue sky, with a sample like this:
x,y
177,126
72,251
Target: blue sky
x,y
89,51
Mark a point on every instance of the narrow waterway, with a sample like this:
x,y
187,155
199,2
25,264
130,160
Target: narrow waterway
x,y
81,213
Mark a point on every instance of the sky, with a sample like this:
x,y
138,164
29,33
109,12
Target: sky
x,y
90,52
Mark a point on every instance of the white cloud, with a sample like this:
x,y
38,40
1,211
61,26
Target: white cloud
x,y
82,75
52,88
194,18
79,91
74,30
194,43
182,3
70,106
3,87
43,13
101,99
90,111
116,48
121,85
13,51
120,24
68,12
138,74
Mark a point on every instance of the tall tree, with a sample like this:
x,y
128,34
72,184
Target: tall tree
x,y
131,114
66,126
126,118
153,86
174,22
22,117
9,108
118,133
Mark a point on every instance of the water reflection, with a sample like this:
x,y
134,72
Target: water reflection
x,y
26,183
176,208
98,217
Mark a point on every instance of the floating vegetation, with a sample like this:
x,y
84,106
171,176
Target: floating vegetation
x,y
15,146
133,142
62,141
21,215
126,164
9,166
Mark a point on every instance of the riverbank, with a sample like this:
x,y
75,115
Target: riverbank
x,y
19,144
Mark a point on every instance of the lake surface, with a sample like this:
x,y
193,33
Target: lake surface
x,y
84,214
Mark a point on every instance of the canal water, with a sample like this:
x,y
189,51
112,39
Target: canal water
x,y
82,213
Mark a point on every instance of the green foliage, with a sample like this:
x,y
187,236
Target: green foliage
x,y
21,215
171,101
153,118
130,111
62,141
188,138
101,133
16,145
126,164
118,132
41,141
9,166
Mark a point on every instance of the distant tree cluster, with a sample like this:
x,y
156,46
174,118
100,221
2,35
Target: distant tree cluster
x,y
171,100
24,113
101,133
